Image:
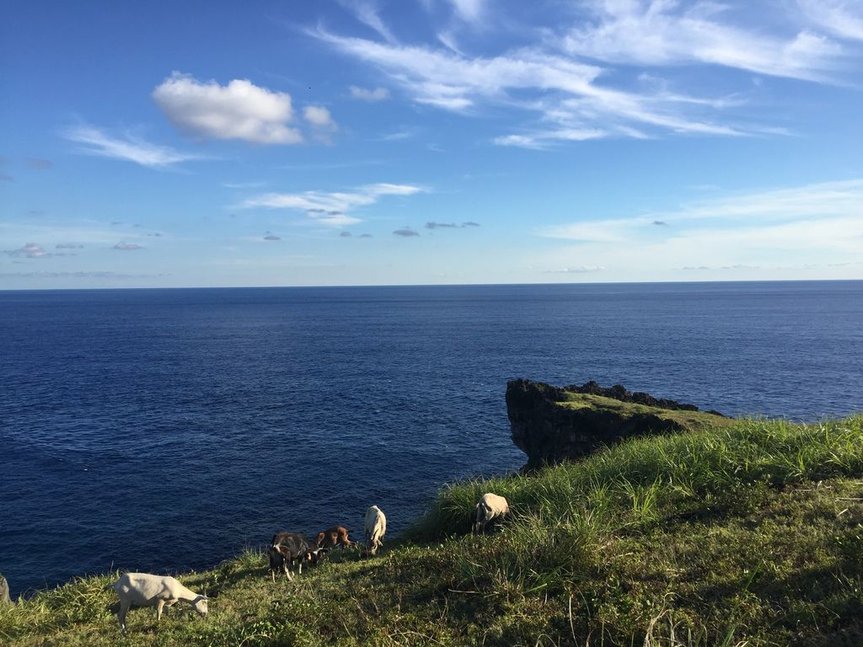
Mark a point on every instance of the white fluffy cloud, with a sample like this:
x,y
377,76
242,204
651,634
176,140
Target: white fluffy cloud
x,y
319,117
238,110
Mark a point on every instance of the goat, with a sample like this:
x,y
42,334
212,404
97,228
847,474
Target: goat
x,y
287,549
333,536
490,507
146,590
375,529
316,556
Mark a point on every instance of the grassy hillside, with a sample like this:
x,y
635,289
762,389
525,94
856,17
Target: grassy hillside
x,y
746,534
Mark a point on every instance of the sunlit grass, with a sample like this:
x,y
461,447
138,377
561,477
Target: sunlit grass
x,y
750,533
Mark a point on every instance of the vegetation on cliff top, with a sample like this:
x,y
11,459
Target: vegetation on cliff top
x,y
686,419
747,533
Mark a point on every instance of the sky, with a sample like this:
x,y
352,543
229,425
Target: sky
x,y
379,142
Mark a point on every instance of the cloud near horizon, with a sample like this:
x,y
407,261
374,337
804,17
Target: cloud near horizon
x,y
29,250
331,207
754,230
450,225
842,199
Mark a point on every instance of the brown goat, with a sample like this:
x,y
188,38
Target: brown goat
x,y
333,536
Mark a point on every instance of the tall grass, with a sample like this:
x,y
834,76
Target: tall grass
x,y
649,475
565,518
719,537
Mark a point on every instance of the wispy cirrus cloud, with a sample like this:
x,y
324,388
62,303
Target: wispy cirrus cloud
x,y
471,11
61,233
761,232
578,78
77,275
239,110
837,202
756,234
331,207
368,13
658,33
841,18
578,269
562,92
127,147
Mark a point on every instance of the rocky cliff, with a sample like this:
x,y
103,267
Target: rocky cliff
x,y
553,424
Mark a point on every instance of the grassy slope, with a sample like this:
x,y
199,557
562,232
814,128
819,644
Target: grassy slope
x,y
746,534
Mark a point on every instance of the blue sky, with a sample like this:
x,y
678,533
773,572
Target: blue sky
x,y
429,141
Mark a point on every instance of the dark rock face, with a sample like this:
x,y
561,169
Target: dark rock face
x,y
550,433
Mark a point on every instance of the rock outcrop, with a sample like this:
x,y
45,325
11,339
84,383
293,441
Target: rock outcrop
x,y
554,424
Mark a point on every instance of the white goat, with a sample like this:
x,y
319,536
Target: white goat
x,y
375,529
145,590
490,507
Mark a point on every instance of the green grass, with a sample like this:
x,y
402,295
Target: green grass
x,y
687,420
743,534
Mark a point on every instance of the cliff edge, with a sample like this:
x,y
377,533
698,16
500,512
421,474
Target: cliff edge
x,y
553,424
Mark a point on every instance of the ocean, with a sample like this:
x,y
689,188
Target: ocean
x,y
167,429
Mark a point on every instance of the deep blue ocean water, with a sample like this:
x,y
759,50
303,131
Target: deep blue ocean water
x,y
161,430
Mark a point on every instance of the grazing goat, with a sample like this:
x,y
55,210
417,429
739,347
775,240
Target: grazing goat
x,y
490,507
315,556
287,549
332,537
145,590
375,529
